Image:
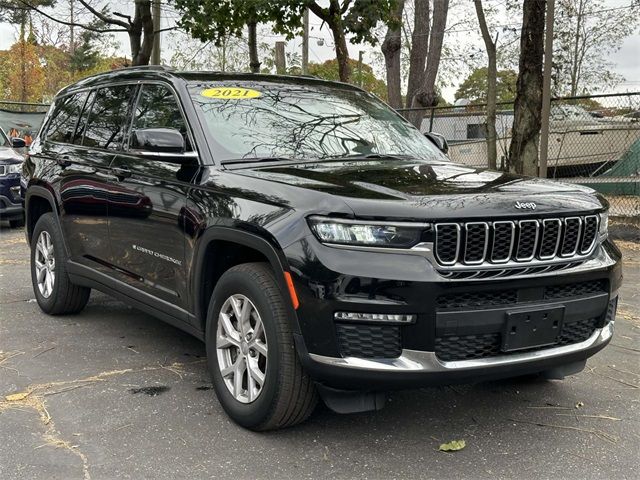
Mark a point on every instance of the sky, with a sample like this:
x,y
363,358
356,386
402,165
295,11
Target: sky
x,y
626,61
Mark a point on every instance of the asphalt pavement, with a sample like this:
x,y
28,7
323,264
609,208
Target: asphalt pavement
x,y
115,393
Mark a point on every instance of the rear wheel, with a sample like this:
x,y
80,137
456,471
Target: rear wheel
x,y
55,293
256,373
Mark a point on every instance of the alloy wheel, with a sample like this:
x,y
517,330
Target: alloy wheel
x,y
45,264
241,348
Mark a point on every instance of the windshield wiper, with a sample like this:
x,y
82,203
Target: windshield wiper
x,y
367,156
257,160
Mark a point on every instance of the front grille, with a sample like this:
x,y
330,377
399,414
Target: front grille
x,y
369,341
470,347
475,243
476,299
575,289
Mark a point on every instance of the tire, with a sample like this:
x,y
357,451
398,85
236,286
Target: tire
x,y
287,395
61,296
17,223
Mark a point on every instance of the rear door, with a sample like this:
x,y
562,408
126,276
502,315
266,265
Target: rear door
x,y
146,226
76,176
87,186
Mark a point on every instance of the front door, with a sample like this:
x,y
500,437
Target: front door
x,y
145,223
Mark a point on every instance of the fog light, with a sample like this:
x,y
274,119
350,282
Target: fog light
x,y
375,317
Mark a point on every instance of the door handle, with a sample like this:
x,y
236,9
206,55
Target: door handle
x,y
121,172
63,160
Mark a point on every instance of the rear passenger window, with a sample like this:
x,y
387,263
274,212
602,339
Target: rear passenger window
x,y
82,123
158,108
63,122
108,117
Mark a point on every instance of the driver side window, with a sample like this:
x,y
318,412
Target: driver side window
x,y
158,108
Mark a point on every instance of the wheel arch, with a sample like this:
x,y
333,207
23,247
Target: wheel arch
x,y
38,201
218,241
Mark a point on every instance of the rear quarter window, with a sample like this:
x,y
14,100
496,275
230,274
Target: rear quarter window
x,y
65,117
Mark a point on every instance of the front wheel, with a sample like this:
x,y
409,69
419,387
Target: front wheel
x,y
256,373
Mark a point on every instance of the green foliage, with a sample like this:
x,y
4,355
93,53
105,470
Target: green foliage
x,y
215,20
474,87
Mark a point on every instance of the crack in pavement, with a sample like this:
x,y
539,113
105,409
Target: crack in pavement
x,y
34,397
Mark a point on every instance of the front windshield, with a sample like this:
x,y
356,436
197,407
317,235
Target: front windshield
x,y
249,120
4,141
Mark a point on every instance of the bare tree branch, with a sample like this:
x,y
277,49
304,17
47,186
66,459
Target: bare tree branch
x,y
70,24
104,17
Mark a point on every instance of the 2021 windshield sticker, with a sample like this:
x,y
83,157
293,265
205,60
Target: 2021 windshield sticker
x,y
230,93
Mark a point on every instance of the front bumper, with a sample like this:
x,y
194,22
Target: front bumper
x,y
329,280
10,210
414,369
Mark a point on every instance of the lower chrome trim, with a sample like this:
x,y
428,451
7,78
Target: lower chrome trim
x,y
427,362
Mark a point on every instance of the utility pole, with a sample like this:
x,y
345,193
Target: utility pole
x,y
546,89
72,42
155,52
305,42
360,55
280,60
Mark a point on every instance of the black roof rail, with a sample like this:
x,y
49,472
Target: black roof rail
x,y
162,68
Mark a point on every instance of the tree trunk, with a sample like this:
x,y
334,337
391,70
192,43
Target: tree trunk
x,y
425,95
141,33
574,63
523,150
254,61
492,73
419,47
332,16
391,49
342,53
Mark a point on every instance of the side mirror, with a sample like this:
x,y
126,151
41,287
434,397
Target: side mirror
x,y
17,142
439,141
157,140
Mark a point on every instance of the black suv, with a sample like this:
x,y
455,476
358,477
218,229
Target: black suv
x,y
315,240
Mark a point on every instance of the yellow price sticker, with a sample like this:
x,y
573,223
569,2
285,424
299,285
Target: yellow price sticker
x,y
230,93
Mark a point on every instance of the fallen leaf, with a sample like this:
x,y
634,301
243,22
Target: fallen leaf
x,y
16,397
452,446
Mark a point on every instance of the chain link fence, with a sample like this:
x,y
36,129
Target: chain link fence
x,y
593,141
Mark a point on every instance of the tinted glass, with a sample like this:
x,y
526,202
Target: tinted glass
x,y
63,122
82,123
158,108
108,117
302,121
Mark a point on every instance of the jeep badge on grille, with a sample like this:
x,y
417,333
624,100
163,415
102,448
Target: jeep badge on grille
x,y
525,206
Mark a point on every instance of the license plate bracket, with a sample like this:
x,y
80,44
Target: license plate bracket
x,y
532,328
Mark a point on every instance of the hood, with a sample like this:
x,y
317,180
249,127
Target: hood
x,y
9,155
418,189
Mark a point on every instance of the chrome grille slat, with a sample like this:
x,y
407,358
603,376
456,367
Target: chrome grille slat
x,y
570,236
526,246
590,233
514,245
476,242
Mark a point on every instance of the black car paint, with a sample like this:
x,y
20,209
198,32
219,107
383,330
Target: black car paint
x,y
176,210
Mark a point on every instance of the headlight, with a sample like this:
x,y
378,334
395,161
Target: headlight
x,y
604,225
12,168
354,232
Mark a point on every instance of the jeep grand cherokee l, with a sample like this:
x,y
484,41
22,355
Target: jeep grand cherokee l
x,y
316,241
